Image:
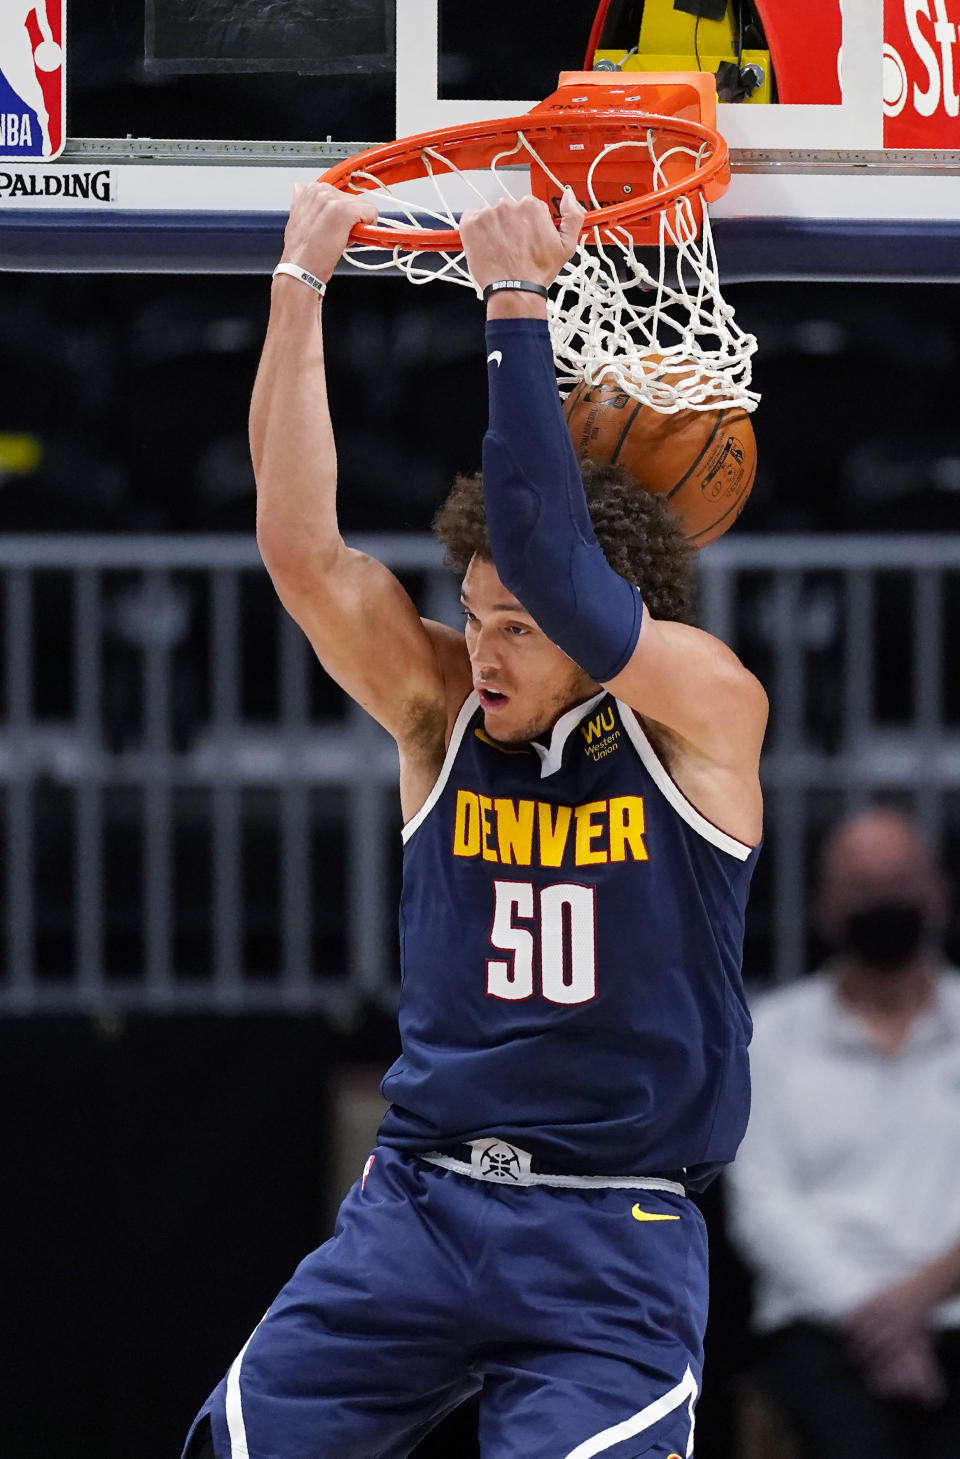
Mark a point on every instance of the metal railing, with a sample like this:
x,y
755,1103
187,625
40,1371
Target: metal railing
x,y
852,638
193,816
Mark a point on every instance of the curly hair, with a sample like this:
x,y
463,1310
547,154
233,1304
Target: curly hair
x,y
640,535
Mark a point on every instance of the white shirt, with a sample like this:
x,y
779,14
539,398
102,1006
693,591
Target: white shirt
x,y
849,1176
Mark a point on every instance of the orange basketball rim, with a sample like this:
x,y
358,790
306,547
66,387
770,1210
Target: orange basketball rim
x,y
629,147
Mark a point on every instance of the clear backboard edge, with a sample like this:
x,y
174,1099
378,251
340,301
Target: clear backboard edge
x,y
180,152
183,151
887,162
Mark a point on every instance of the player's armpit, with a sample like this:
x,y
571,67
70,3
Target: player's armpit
x,y
451,650
713,708
369,637
692,683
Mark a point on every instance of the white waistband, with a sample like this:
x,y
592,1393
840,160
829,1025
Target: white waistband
x,y
506,1164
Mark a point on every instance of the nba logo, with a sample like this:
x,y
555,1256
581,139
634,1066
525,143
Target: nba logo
x,y
32,79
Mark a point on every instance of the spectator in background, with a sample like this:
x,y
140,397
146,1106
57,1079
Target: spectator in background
x,y
845,1197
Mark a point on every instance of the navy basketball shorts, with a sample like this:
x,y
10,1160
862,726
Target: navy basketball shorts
x,y
578,1314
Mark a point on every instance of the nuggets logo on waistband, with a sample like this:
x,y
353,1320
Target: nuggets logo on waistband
x,y
535,833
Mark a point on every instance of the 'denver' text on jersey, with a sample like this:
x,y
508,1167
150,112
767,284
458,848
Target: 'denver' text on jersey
x,y
570,941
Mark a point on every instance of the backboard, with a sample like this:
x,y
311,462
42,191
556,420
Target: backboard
x,y
863,184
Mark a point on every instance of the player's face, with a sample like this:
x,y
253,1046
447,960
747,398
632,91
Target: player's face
x,y
524,681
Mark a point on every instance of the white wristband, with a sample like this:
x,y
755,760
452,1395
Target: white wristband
x,y
296,272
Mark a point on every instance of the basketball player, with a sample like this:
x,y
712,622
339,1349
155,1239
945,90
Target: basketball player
x,y
578,778
16,58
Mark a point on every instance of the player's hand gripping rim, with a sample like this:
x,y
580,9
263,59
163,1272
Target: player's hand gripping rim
x,y
517,238
319,226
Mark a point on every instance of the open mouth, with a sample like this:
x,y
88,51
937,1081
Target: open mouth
x,y
492,698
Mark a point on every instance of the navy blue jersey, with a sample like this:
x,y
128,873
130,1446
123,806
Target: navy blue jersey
x,y
571,935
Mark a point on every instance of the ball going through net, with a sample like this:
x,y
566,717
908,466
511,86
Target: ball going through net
x,y
703,461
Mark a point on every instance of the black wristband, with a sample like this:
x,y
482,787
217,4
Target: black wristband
x,y
520,286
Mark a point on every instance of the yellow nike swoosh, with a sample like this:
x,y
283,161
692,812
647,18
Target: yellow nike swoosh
x,y
639,1215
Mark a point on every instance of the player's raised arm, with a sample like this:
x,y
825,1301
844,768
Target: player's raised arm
x,y
542,540
359,619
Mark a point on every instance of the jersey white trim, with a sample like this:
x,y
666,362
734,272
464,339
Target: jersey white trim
x,y
672,793
551,756
467,712
686,1391
236,1428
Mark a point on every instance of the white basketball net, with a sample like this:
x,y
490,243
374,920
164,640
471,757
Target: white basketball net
x,y
666,337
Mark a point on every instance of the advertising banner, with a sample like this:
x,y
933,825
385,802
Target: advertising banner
x,y
921,74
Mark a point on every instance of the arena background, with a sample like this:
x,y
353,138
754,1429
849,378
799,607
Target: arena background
x,y
175,1143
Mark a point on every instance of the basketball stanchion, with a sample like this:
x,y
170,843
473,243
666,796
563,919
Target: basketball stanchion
x,y
637,314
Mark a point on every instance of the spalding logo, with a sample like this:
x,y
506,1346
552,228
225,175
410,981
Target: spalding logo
x,y
726,473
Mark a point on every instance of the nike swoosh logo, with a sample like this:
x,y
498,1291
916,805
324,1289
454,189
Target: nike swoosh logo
x,y
496,357
639,1215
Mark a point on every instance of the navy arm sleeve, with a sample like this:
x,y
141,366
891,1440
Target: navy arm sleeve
x,y
541,537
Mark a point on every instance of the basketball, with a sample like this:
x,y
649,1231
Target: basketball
x,y
703,461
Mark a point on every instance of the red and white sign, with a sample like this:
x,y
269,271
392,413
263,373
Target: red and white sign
x,y
921,73
805,41
32,79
